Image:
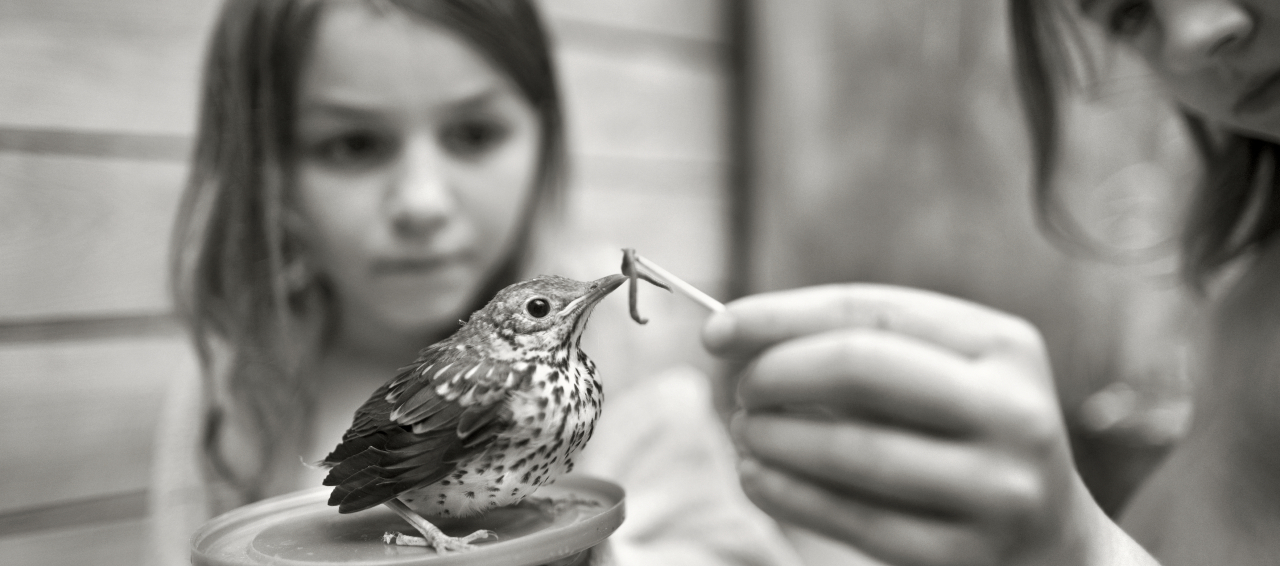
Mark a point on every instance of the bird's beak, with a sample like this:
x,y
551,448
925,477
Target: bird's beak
x,y
603,286
598,290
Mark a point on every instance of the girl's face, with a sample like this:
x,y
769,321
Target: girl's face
x,y
416,159
1220,58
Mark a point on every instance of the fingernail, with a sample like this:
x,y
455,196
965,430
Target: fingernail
x,y
737,425
748,468
718,331
740,400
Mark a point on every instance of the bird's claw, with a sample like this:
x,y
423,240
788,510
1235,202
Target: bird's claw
x,y
443,544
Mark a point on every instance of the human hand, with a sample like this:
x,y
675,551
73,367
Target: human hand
x,y
919,428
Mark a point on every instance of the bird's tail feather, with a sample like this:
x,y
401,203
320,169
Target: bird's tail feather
x,y
386,466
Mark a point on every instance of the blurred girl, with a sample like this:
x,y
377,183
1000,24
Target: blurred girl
x,y
1217,498
923,429
366,174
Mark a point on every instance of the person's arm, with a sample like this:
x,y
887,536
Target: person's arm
x,y
1215,498
917,427
177,499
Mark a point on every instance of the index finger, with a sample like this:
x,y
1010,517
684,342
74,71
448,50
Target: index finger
x,y
756,322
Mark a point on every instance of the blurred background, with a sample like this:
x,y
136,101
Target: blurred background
x,y
745,145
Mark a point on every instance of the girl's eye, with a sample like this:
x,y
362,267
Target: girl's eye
x,y
538,308
473,137
353,149
1128,18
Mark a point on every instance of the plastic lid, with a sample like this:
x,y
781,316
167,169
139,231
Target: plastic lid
x,y
300,528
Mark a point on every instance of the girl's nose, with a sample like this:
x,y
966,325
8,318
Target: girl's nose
x,y
420,199
1199,33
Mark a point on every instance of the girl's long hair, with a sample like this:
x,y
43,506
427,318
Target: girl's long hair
x,y
1236,207
235,238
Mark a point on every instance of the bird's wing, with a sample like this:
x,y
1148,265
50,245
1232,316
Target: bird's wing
x,y
413,431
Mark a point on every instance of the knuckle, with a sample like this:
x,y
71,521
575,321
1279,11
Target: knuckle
x,y
848,307
1022,491
864,306
851,347
1018,336
1042,433
845,354
1032,416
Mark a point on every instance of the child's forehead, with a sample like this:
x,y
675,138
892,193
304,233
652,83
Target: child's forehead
x,y
367,57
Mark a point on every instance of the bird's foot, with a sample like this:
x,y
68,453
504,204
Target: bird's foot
x,y
432,536
441,542
553,507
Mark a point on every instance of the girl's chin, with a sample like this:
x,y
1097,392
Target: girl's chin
x,y
426,319
1270,135
1263,129
420,311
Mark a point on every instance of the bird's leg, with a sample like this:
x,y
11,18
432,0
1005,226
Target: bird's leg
x,y
431,535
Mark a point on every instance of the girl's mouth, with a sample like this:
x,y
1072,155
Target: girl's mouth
x,y
413,265
1260,97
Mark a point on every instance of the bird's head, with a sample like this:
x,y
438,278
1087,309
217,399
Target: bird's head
x,y
544,312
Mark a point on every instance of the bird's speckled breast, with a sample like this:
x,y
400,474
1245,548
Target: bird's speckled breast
x,y
552,419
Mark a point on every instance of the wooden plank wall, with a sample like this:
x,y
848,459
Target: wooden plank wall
x,y
96,114
887,145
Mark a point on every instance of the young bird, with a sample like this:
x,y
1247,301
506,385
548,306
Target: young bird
x,y
482,418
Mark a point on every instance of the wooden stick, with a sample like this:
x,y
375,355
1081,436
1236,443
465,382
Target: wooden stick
x,y
681,285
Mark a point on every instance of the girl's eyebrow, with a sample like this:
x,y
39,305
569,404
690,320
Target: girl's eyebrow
x,y
353,108
481,98
338,108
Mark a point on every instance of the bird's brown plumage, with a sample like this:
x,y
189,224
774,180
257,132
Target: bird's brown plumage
x,y
483,417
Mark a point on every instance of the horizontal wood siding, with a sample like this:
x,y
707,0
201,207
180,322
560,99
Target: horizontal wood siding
x,y
83,413
97,104
84,236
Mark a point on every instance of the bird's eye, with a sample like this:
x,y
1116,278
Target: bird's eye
x,y
538,307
